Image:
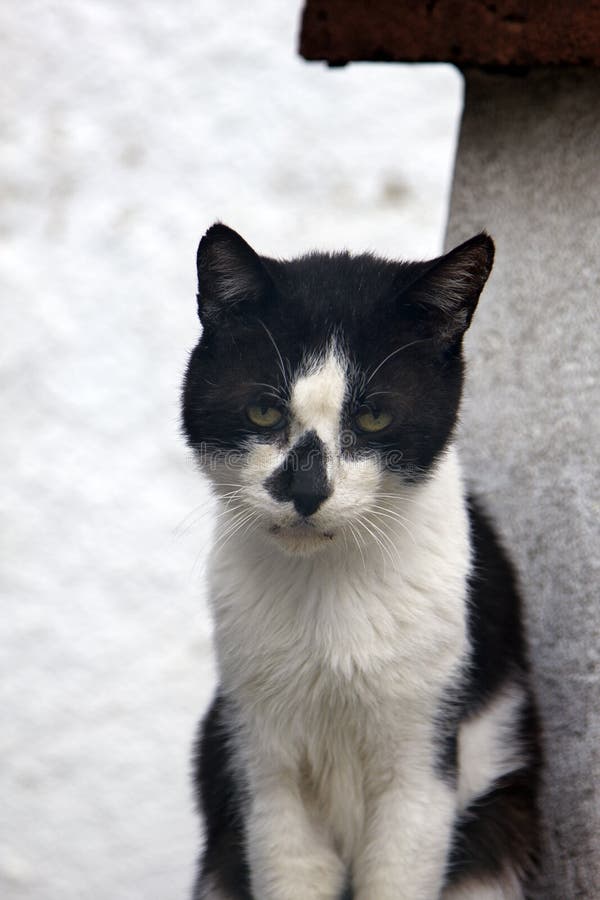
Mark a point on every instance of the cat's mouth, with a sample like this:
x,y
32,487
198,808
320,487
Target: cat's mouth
x,y
301,537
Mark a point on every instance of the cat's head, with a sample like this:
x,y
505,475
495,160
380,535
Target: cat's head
x,y
322,385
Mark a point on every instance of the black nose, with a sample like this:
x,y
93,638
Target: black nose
x,y
307,496
302,478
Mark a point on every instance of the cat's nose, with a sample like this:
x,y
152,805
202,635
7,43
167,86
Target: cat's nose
x,y
302,478
307,493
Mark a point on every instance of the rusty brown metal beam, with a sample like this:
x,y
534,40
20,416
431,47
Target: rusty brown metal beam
x,y
505,33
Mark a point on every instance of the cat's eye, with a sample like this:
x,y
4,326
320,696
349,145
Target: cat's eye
x,y
371,420
265,416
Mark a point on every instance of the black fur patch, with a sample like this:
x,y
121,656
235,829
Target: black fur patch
x,y
499,831
220,798
494,611
302,477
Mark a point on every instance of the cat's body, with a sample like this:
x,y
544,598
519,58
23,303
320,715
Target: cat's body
x,y
373,735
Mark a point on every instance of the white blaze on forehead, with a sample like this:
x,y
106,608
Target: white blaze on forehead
x,y
318,396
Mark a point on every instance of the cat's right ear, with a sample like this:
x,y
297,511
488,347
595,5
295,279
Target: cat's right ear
x,y
231,276
448,291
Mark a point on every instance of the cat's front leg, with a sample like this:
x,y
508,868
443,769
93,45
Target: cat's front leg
x,y
290,855
407,841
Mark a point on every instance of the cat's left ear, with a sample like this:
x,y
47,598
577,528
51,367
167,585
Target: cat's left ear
x,y
449,290
231,276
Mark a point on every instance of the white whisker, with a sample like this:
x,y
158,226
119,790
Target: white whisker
x,y
284,373
227,534
362,522
357,542
390,355
396,517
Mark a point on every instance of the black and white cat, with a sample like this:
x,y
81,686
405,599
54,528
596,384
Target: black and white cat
x,y
373,735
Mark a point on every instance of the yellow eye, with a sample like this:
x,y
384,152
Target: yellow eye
x,y
373,421
265,416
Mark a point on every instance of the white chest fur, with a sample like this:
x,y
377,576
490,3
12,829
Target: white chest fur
x,y
337,663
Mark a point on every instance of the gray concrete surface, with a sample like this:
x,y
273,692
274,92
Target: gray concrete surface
x,y
527,170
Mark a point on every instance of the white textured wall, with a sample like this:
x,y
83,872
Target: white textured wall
x,y
126,128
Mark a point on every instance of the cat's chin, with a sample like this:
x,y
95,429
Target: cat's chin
x,y
301,539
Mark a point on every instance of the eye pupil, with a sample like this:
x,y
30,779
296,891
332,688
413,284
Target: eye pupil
x,y
264,416
372,420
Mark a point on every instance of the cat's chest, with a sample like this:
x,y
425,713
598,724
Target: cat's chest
x,y
313,636
338,675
